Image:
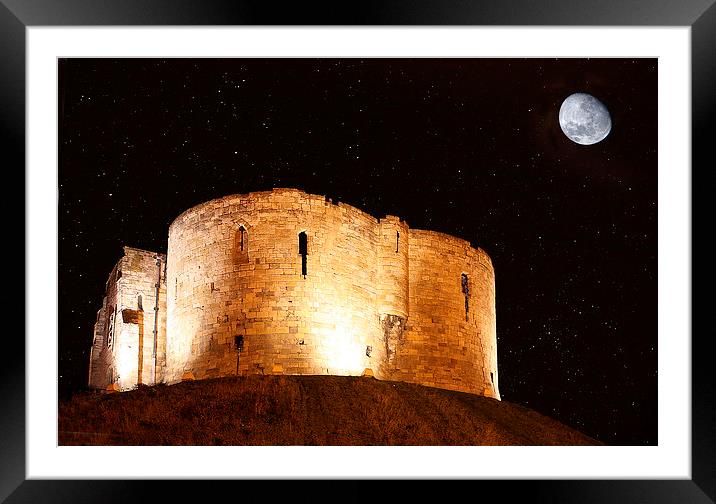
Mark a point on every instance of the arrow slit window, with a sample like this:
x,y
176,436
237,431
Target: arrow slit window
x,y
303,250
465,283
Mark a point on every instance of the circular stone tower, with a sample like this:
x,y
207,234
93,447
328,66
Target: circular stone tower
x,y
284,282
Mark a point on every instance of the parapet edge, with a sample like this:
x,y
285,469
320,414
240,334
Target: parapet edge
x,y
275,190
144,251
328,200
455,239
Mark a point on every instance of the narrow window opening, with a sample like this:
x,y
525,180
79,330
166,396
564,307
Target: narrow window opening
x,y
242,231
139,302
397,240
242,245
465,283
492,378
239,343
303,250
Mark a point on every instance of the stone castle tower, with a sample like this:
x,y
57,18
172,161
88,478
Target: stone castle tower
x,y
284,282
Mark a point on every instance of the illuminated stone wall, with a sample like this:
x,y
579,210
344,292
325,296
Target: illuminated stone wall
x,y
376,294
101,368
318,324
447,343
123,346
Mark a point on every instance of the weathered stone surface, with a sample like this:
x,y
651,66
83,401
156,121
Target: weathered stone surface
x,y
376,295
124,333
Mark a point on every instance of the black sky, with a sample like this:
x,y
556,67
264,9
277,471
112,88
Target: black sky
x,y
469,147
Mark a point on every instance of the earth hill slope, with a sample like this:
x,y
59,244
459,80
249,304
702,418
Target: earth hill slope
x,y
303,410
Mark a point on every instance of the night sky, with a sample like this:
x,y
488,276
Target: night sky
x,y
469,147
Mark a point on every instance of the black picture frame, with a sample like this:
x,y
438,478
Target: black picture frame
x,y
17,15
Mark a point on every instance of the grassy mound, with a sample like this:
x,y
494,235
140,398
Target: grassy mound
x,y
303,410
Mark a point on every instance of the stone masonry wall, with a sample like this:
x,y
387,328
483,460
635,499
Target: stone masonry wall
x,y
102,356
410,305
318,324
371,298
123,347
446,345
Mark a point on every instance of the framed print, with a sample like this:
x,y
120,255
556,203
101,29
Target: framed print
x,y
559,139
